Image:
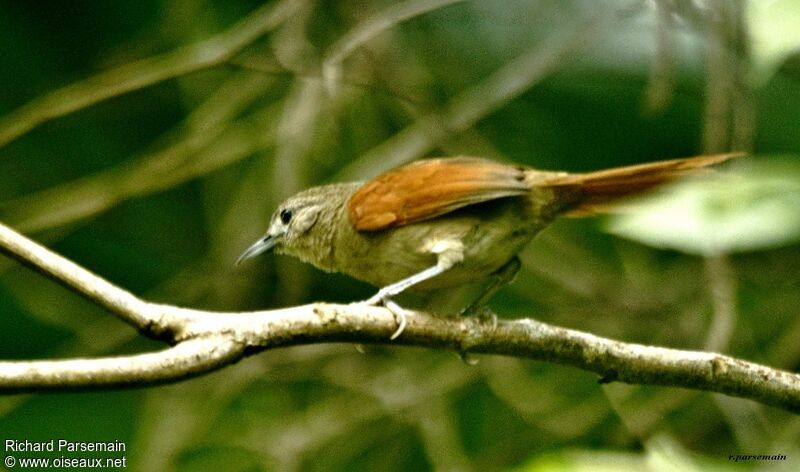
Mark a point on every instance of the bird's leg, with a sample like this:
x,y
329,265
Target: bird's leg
x,y
448,252
501,277
401,285
384,295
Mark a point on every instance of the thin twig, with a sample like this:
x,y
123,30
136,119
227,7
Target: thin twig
x,y
183,361
723,297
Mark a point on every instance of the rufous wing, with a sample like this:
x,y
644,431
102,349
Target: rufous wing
x,y
429,188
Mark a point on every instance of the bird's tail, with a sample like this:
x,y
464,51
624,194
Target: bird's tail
x,y
595,192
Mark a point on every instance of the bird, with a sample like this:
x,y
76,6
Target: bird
x,y
445,222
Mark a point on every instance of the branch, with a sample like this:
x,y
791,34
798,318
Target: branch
x,y
204,341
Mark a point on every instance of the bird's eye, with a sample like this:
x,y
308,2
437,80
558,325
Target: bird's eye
x,y
286,216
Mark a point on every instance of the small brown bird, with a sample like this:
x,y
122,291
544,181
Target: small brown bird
x,y
446,222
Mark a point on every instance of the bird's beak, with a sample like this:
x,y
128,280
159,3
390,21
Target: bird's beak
x,y
262,245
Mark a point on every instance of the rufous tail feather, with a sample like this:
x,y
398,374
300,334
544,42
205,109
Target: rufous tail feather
x,y
596,192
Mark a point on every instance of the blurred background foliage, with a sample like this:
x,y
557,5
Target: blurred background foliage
x,y
149,141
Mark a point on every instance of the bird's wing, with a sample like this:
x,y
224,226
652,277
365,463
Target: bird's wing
x,y
429,188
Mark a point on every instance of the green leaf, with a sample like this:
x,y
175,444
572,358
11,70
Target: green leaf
x,y
775,34
756,207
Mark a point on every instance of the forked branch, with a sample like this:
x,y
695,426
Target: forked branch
x,y
202,341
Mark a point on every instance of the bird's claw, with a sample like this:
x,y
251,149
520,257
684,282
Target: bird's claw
x,y
490,317
399,313
399,316
483,313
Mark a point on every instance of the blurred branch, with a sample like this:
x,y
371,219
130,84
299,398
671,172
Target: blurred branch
x,y
145,72
473,104
723,296
207,140
369,29
661,83
204,341
726,125
720,62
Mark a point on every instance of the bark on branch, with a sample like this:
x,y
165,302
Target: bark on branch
x,y
203,341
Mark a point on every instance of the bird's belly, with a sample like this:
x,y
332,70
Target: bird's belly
x,y
489,242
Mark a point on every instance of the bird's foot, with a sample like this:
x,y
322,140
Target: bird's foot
x,y
382,298
468,358
488,316
483,313
399,316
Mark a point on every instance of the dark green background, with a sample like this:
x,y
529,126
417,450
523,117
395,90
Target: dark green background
x,y
330,407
